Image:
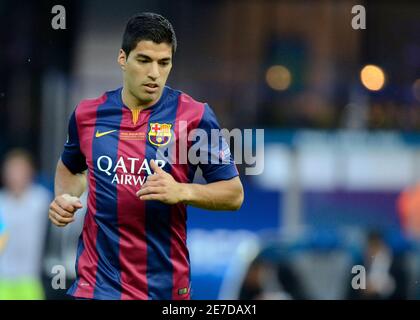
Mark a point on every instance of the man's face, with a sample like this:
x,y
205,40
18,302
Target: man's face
x,y
17,174
146,70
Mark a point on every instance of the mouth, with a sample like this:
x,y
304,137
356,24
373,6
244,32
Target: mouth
x,y
151,87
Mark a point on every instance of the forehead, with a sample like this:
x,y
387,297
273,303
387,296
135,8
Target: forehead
x,y
152,49
15,162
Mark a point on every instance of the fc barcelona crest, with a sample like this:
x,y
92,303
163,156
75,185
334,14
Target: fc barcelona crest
x,y
160,133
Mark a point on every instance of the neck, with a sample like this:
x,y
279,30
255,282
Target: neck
x,y
17,192
133,103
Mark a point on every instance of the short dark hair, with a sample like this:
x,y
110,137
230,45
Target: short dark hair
x,y
148,26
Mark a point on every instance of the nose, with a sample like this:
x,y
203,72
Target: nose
x,y
154,71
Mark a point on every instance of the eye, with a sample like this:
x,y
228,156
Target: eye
x,y
164,63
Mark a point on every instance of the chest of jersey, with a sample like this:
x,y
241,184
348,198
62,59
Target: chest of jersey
x,y
124,143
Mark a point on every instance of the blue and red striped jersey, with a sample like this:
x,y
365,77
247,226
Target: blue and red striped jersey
x,y
129,248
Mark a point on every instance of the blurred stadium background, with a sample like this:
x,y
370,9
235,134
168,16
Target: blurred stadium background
x,y
341,113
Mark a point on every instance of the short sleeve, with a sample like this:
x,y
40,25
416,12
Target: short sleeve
x,y
72,156
215,158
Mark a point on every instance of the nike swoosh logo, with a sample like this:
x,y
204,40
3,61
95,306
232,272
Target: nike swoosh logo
x,y
101,134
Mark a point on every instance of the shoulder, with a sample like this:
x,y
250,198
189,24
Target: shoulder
x,y
189,106
186,99
86,109
87,104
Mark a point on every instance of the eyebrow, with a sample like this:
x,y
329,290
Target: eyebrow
x,y
141,55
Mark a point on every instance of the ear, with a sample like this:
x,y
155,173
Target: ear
x,y
122,59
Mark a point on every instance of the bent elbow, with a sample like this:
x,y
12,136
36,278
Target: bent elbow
x,y
239,199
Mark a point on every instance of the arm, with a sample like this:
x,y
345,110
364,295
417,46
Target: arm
x,y
68,188
70,179
220,195
68,183
224,190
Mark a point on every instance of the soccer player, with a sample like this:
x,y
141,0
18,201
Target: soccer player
x,y
133,243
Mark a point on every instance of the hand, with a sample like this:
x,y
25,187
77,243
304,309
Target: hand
x,y
161,186
62,209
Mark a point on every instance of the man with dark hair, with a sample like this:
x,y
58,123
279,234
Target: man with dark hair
x,y
133,244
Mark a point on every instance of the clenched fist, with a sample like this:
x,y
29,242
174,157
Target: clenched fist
x,y
62,209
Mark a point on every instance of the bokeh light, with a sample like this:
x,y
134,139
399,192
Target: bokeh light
x,y
372,77
278,77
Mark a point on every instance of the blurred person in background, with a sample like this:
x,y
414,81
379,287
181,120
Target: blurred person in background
x,y
408,208
386,271
266,280
252,287
24,206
